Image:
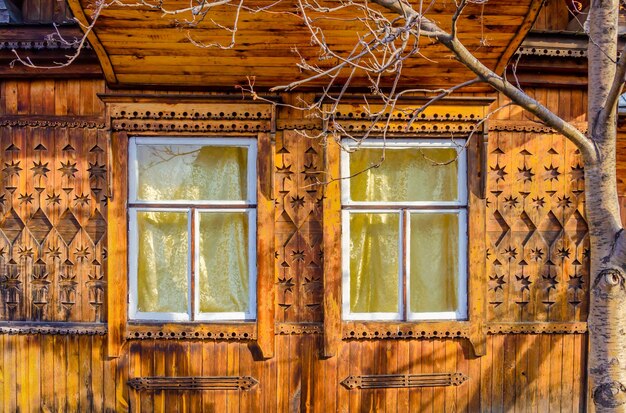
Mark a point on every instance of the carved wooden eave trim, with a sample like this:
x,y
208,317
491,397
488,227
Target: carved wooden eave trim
x,y
230,332
496,125
538,328
399,381
195,383
46,121
56,328
452,117
298,328
189,118
38,45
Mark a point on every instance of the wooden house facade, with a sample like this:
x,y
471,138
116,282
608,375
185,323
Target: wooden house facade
x,y
78,330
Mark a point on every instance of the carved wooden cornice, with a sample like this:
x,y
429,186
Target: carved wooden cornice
x,y
496,125
191,117
38,45
60,328
46,121
537,328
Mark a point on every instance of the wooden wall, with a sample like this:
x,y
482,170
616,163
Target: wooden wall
x,y
534,362
44,11
537,373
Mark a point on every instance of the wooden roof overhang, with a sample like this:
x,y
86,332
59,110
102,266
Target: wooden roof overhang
x,y
138,46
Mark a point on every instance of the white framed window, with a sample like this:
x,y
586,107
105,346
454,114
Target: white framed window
x,y
404,230
192,229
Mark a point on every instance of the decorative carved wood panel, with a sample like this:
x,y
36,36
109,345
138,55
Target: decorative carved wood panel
x,y
298,232
381,381
52,225
537,236
192,383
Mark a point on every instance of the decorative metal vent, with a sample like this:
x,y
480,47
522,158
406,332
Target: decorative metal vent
x,y
192,383
403,380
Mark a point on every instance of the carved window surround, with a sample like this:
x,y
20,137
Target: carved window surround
x,y
136,115
458,118
192,331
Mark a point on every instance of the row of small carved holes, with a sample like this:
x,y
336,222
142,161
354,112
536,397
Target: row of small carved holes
x,y
400,115
412,128
186,126
408,333
149,114
195,334
557,52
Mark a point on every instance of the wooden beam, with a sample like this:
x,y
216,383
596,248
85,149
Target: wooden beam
x,y
523,30
332,252
117,261
265,249
103,57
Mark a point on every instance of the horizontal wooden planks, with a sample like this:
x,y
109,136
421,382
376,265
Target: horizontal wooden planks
x,y
487,31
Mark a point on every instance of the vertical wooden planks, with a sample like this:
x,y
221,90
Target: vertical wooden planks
x,y
97,373
567,373
403,366
85,367
73,381
543,376
33,346
534,357
556,372
450,392
341,369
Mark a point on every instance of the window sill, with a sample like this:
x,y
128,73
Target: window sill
x,y
359,330
243,331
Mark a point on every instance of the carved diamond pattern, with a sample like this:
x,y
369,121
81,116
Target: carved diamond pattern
x,y
68,227
12,226
43,269
96,227
538,237
39,225
550,228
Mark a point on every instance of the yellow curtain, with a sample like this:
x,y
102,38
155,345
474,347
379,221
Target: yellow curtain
x,y
374,262
162,284
192,172
434,262
405,175
223,262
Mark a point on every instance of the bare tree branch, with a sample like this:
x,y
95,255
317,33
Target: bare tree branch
x,y
497,82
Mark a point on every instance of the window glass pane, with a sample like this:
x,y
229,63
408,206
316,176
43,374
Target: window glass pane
x,y
406,174
201,172
162,262
374,260
434,262
223,262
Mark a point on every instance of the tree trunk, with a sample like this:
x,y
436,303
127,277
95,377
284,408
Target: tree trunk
x,y
607,314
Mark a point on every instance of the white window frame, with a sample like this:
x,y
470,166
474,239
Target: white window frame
x,y
191,207
404,210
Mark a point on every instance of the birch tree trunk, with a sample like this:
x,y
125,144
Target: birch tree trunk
x,y
607,315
